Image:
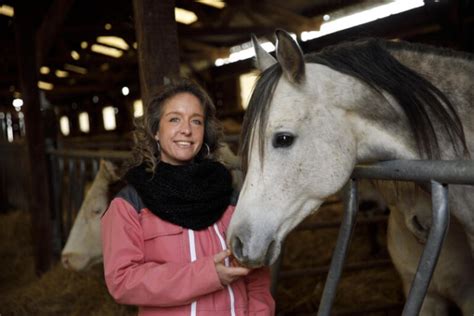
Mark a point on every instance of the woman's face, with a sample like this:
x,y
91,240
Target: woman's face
x,y
181,132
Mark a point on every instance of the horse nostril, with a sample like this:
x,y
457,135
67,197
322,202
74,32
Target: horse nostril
x,y
237,247
65,261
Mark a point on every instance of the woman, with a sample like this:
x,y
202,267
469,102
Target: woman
x,y
163,236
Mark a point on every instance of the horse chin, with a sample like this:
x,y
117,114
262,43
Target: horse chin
x,y
78,263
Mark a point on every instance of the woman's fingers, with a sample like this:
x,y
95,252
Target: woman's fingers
x,y
228,274
219,257
236,271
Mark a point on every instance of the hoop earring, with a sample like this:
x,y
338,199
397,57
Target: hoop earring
x,y
158,147
208,150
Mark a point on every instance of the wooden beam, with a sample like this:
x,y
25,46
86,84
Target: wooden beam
x,y
194,32
157,37
50,28
39,203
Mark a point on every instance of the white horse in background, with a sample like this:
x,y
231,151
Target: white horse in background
x,y
312,119
83,247
453,278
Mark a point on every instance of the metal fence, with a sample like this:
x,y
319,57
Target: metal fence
x,y
71,171
439,174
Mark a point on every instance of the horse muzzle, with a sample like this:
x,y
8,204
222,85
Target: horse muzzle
x,y
253,251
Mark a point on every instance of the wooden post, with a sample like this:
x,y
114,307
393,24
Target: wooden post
x,y
39,203
50,28
157,38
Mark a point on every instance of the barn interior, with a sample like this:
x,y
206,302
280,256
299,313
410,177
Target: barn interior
x,y
75,75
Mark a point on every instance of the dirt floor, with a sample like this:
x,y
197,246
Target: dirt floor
x,y
60,292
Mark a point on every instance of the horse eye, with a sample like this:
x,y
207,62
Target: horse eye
x,y
283,140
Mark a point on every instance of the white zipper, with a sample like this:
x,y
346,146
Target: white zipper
x,y
192,250
227,263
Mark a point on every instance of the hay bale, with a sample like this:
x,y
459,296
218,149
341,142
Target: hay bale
x,y
16,252
63,292
58,291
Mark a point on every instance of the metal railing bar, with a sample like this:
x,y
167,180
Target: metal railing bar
x,y
72,188
429,258
340,252
444,171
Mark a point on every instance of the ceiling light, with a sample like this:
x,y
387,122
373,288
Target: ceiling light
x,y
76,69
219,4
7,10
125,91
247,82
244,51
108,26
45,85
84,45
105,50
114,41
64,125
326,17
18,103
137,108
75,55
84,125
108,116
61,73
362,17
44,70
185,16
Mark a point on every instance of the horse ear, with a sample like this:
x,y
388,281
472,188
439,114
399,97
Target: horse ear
x,y
290,57
263,59
111,170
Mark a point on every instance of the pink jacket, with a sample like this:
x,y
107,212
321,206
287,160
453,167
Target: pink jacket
x,y
166,269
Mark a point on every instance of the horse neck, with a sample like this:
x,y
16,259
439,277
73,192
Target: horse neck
x,y
389,137
381,128
452,73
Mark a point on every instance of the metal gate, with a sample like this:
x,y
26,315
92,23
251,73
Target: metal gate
x,y
439,174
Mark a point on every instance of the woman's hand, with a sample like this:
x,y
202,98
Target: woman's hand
x,y
228,275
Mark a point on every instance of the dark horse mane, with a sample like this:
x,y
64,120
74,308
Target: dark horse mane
x,y
371,62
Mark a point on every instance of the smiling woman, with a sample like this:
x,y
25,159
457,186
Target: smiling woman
x,y
169,223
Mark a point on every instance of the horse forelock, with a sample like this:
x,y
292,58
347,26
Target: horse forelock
x,y
256,116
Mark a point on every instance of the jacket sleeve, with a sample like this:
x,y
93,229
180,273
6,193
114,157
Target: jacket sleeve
x,y
130,280
261,302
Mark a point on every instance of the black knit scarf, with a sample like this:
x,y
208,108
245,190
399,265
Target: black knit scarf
x,y
192,196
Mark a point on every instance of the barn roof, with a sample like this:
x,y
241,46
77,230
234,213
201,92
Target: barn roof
x,y
76,71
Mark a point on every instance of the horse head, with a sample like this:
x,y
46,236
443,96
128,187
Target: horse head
x,y
83,247
296,152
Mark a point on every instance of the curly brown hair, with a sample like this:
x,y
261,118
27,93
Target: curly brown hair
x,y
145,149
